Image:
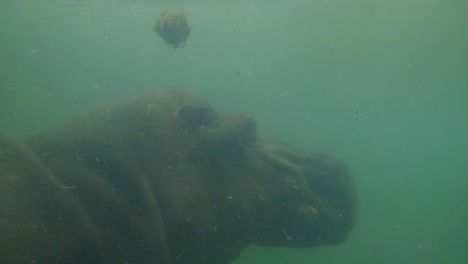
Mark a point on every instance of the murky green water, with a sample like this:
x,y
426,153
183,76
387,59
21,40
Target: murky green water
x,y
382,85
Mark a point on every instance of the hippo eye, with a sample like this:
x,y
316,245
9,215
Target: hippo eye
x,y
196,115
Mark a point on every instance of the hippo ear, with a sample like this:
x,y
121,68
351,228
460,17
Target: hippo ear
x,y
200,115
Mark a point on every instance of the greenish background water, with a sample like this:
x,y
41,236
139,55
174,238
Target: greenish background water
x,y
382,85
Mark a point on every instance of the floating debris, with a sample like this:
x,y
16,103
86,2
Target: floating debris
x,y
32,52
173,27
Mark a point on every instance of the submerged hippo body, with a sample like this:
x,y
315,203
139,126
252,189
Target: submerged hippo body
x,y
163,178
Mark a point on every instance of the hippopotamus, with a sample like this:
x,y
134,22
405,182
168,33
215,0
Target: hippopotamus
x,y
164,177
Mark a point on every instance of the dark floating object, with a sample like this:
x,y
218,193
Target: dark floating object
x,y
173,27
